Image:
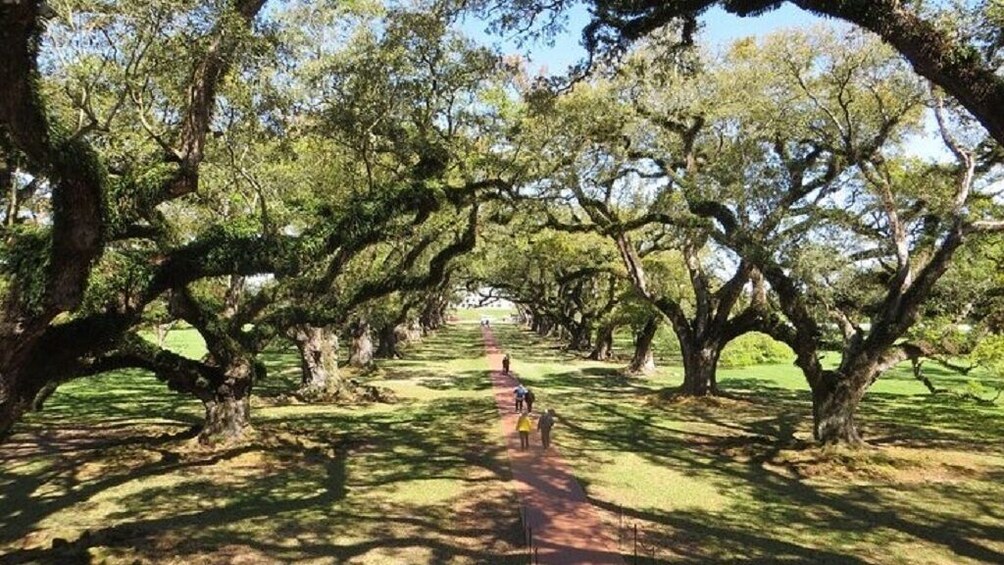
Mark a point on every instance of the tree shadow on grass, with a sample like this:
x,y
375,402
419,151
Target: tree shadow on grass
x,y
787,500
465,381
599,382
742,458
699,537
118,396
448,343
24,510
521,345
249,503
300,473
922,420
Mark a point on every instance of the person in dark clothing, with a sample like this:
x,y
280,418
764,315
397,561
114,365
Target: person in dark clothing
x,y
505,364
545,424
519,392
529,398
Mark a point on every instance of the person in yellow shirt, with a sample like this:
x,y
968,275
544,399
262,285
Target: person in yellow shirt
x,y
523,426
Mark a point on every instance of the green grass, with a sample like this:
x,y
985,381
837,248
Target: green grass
x,y
108,468
899,380
496,315
738,479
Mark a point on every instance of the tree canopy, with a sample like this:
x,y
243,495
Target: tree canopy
x,y
307,172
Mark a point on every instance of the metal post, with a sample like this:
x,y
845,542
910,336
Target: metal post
x,y
636,544
620,527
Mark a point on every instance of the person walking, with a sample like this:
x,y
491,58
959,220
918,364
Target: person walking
x,y
529,398
519,392
545,424
505,364
523,426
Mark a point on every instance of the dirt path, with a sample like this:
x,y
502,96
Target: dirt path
x,y
566,528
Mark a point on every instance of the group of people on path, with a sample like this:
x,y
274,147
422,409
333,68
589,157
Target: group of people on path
x,y
544,424
524,424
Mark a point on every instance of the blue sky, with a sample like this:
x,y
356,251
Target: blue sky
x,y
720,29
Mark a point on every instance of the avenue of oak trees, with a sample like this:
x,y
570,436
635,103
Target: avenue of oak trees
x,y
793,177
300,173
201,162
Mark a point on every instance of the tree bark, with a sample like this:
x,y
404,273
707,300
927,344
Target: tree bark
x,y
433,314
412,332
700,363
603,348
14,403
228,412
228,406
361,347
387,339
834,404
545,326
580,338
228,403
643,361
318,347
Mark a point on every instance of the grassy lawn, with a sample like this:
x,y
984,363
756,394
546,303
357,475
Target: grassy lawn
x,y
106,473
494,314
736,479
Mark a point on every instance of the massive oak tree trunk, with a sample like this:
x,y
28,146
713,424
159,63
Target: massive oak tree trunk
x,y
433,314
543,325
228,405
361,347
412,332
700,363
318,347
387,339
837,393
834,404
580,337
643,360
524,316
603,348
228,402
15,400
228,411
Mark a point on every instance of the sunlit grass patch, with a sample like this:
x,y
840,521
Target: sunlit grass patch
x,y
738,478
634,482
423,479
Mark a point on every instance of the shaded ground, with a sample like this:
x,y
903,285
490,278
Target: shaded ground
x,y
108,474
737,479
562,526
